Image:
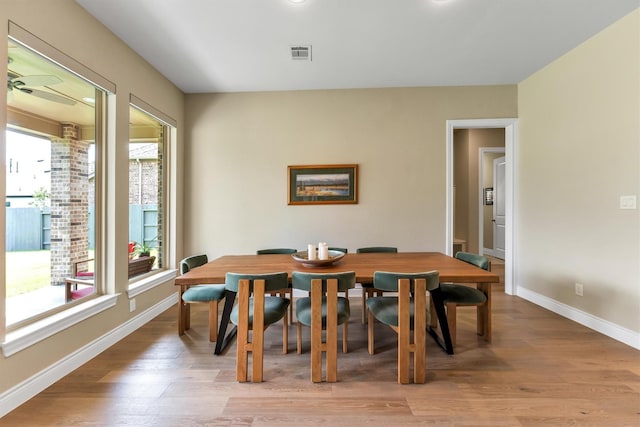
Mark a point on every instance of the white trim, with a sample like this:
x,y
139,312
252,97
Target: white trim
x,y
33,333
482,151
143,285
24,391
511,147
616,332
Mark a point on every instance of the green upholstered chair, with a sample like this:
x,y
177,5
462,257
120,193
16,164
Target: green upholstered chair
x,y
454,295
286,292
323,310
199,294
367,289
276,251
375,249
406,314
255,312
345,250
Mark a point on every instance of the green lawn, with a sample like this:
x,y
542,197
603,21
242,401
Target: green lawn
x,y
31,270
27,271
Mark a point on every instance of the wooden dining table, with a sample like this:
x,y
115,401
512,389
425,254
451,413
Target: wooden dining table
x,y
363,264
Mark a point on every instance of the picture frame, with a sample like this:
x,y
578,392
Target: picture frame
x,y
488,196
322,184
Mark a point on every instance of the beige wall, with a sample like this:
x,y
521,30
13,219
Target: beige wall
x,y
69,29
579,152
239,146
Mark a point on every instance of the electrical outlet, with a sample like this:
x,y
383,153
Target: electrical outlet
x,y
132,305
579,289
627,202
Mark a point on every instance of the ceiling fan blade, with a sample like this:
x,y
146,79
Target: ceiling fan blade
x,y
48,96
44,80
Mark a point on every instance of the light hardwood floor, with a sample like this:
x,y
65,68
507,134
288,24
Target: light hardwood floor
x,y
540,370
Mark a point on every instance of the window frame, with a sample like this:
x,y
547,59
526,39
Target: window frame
x,y
144,282
29,331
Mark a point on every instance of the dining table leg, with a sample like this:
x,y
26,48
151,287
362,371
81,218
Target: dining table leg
x,y
438,304
484,313
223,338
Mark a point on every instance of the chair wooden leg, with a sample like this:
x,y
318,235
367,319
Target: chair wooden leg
x,y
257,337
285,335
370,332
243,344
299,338
331,344
187,316
345,329
433,317
404,330
316,331
451,320
213,321
364,305
291,307
420,334
67,292
181,316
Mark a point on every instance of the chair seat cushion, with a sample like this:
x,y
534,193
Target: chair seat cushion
x,y
461,294
303,310
274,309
203,293
84,274
81,292
385,309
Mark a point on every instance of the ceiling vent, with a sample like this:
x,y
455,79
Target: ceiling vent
x,y
301,53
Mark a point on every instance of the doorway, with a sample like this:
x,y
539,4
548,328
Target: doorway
x,y
510,127
491,207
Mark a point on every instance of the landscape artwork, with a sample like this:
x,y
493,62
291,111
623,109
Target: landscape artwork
x,y
322,184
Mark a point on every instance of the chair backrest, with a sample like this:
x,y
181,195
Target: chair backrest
x,y
192,262
373,249
388,281
345,250
474,259
272,281
276,251
346,280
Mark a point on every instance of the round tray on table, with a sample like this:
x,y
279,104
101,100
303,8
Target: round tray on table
x,y
303,258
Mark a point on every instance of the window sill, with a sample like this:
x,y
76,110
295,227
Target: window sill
x,y
29,335
140,286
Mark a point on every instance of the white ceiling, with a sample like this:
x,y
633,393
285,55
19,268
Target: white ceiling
x,y
243,45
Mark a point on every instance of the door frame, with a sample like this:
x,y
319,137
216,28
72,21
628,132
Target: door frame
x,y
510,126
482,152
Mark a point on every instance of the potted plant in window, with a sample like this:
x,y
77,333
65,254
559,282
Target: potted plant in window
x,y
142,250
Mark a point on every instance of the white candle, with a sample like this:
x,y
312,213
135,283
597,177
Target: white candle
x,y
311,252
323,251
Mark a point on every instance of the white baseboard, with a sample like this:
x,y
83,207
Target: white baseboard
x,y
612,330
24,391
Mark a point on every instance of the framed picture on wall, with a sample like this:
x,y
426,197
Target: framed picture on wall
x,y
488,196
322,184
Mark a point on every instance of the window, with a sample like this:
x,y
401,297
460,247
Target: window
x,y
148,137
54,131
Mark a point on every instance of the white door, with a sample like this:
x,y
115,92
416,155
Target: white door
x,y
498,207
